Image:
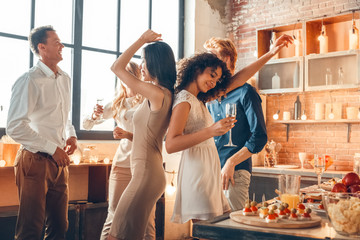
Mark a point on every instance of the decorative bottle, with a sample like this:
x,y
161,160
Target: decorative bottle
x,y
340,76
297,108
275,80
323,40
328,77
353,37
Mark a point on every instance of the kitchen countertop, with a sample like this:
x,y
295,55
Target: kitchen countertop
x,y
261,171
223,228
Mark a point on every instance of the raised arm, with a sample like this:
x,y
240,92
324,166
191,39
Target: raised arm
x,y
148,90
244,74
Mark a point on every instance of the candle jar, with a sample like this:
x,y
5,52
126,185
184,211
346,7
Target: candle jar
x,y
286,116
351,112
319,111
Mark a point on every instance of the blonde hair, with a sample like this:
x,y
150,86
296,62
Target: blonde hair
x,y
118,103
225,47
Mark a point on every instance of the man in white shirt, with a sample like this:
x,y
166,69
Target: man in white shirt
x,y
38,119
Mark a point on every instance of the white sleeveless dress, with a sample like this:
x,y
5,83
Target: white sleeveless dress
x,y
199,193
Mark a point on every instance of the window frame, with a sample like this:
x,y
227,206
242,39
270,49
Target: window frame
x,y
77,48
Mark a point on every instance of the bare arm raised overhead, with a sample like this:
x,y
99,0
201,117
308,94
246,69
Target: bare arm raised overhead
x,y
244,74
146,88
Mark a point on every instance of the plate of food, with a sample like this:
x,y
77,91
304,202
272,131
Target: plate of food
x,y
276,216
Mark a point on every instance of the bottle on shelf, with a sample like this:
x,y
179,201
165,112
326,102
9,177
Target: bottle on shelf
x,y
323,39
328,77
353,37
275,81
297,108
340,80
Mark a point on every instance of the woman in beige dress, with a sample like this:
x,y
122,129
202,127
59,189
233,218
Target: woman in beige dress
x,y
150,123
122,110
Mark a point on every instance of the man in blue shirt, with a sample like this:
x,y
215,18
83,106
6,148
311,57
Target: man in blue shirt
x,y
249,133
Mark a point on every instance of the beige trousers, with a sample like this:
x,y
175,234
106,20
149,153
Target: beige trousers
x,y
43,194
118,180
239,193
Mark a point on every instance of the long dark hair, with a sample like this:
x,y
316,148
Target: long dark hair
x,y
190,68
160,63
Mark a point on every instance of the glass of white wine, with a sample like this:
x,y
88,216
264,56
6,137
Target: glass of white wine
x,y
99,103
319,167
230,109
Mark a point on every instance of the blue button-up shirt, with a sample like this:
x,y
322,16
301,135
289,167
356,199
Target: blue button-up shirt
x,y
249,130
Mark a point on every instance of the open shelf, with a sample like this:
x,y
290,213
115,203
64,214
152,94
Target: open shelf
x,y
344,121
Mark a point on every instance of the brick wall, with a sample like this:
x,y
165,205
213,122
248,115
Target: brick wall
x,y
246,16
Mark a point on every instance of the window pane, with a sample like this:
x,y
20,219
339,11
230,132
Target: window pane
x,y
134,20
99,28
57,13
66,63
14,62
165,20
97,82
11,12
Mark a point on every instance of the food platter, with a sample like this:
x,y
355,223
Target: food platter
x,y
281,223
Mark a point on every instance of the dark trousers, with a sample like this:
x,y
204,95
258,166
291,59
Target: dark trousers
x,y
43,194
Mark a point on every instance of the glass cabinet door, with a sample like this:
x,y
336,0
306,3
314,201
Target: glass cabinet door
x,y
332,70
281,75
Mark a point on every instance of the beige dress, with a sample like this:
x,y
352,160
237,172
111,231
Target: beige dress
x,y
148,177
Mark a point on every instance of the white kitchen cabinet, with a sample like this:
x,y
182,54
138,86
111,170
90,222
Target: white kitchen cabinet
x,y
335,70
281,75
304,68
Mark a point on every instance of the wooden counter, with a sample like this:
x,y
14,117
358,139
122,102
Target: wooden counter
x,y
87,182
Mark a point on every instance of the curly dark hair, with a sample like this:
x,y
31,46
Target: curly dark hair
x,y
190,68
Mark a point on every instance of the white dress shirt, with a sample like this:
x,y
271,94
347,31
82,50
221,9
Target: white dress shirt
x,y
124,120
39,109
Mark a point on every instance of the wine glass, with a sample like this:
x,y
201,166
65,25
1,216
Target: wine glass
x,y
230,109
319,167
99,102
302,158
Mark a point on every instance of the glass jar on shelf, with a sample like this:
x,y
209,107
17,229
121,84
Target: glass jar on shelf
x,y
328,77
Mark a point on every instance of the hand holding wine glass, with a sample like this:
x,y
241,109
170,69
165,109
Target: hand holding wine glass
x,y
99,110
230,109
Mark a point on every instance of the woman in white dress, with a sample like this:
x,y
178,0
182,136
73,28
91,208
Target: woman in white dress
x,y
122,109
199,195
203,78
